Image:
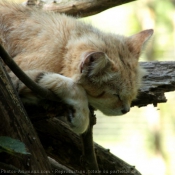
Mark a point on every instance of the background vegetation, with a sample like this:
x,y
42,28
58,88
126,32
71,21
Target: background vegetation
x,y
145,137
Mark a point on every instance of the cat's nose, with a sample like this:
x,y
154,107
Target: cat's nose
x,y
125,110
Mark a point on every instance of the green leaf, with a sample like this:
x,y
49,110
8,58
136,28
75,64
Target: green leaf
x,y
12,146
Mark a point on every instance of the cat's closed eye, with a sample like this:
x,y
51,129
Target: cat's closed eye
x,y
118,96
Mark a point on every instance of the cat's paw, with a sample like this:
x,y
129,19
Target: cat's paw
x,y
73,95
79,117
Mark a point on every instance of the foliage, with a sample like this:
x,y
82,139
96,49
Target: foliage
x,y
12,146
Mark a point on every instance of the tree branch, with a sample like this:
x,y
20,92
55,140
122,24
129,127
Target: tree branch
x,y
31,3
15,123
89,157
80,8
160,79
66,147
40,91
57,168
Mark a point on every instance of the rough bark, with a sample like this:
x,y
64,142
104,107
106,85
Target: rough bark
x,y
15,124
66,147
12,111
80,8
160,79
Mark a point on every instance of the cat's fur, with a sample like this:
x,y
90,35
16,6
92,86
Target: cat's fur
x,y
76,61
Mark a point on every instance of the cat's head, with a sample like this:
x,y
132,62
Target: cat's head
x,y
110,73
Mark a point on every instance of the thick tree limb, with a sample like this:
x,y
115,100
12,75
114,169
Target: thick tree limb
x,y
66,147
160,79
11,111
14,123
80,8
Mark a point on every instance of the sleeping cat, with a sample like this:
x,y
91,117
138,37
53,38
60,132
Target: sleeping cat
x,y
79,63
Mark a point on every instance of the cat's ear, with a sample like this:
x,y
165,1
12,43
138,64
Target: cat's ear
x,y
137,42
93,62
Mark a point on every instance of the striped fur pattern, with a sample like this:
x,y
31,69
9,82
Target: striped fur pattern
x,y
79,63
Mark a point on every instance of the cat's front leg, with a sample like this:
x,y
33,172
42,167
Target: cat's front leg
x,y
64,87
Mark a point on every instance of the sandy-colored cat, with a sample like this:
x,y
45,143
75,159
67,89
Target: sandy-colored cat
x,y
76,61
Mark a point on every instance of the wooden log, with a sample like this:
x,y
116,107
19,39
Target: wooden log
x,y
80,8
160,79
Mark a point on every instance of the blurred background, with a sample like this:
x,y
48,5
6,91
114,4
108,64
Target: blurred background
x,y
145,137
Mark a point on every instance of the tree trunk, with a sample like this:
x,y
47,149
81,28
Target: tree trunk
x,y
15,124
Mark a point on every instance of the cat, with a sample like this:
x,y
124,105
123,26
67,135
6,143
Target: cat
x,y
79,63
